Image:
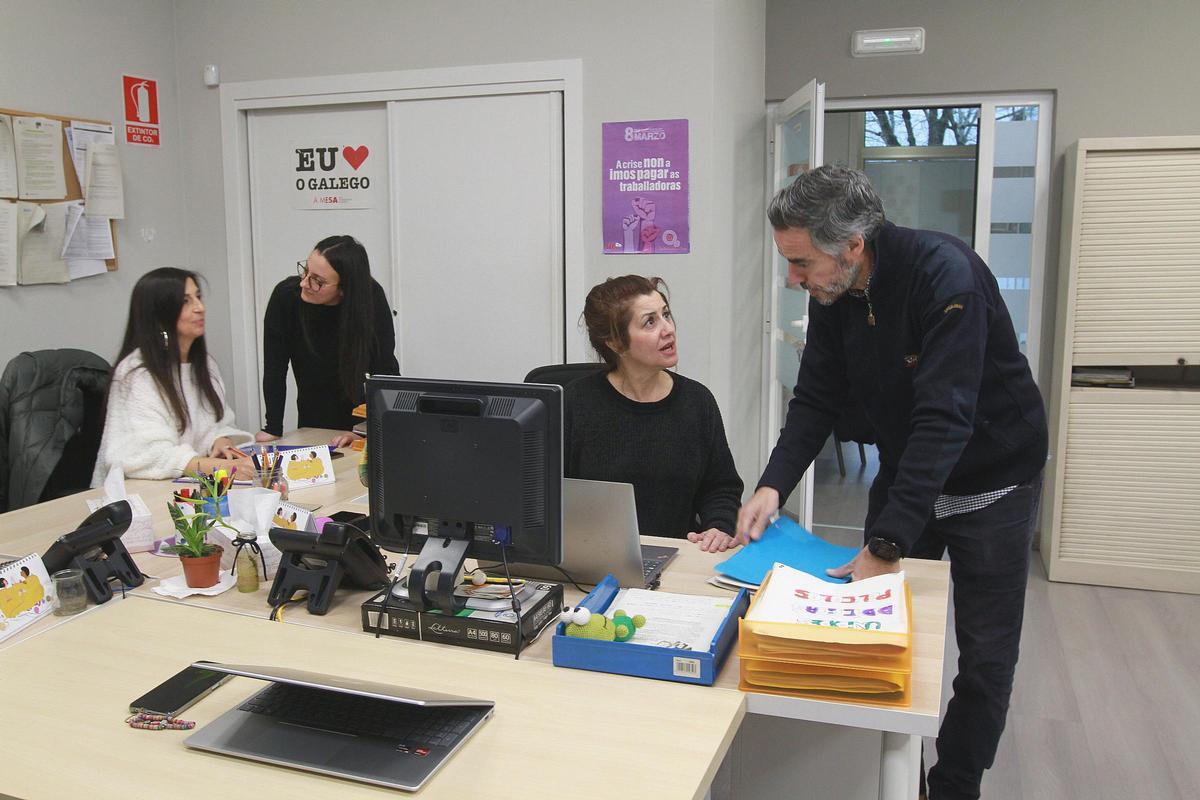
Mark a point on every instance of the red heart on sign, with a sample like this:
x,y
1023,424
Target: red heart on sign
x,y
355,156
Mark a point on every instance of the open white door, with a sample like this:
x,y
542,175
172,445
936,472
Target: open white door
x,y
796,143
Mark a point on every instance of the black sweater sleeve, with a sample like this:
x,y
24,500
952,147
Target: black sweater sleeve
x,y
383,358
277,352
821,389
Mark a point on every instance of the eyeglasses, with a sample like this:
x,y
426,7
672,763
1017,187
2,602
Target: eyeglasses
x,y
317,283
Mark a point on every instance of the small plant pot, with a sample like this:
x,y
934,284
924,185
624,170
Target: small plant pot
x,y
203,572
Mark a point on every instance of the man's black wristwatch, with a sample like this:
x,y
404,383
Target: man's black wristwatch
x,y
883,549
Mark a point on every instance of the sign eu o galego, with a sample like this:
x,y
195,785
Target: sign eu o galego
x,y
331,175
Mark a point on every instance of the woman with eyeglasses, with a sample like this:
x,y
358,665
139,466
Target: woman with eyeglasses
x,y
330,322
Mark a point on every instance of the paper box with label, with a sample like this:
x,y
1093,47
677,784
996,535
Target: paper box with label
x,y
140,536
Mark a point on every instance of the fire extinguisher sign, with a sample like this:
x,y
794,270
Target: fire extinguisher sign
x,y
141,110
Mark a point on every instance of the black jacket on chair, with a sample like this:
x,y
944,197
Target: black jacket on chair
x,y
51,417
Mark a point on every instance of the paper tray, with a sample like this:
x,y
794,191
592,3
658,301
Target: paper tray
x,y
646,661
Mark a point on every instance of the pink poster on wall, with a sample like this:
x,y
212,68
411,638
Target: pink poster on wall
x,y
645,186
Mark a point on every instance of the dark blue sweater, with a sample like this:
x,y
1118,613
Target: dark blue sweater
x,y
940,374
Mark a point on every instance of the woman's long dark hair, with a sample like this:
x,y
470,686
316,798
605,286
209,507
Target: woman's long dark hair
x,y
152,328
356,312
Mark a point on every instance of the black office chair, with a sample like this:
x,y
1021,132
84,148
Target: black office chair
x,y
852,426
51,418
563,374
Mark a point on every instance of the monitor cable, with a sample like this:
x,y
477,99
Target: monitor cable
x,y
398,572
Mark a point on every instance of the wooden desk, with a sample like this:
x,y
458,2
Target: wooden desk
x,y
555,732
819,739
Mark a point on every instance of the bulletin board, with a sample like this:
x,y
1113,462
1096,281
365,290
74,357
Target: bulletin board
x,y
74,189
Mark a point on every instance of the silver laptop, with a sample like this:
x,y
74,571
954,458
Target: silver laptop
x,y
371,732
600,535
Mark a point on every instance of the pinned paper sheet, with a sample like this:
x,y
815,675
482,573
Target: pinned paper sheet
x,y
105,193
38,146
40,232
140,536
8,158
8,243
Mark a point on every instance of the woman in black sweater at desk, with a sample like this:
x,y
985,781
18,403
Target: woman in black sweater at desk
x,y
636,422
332,323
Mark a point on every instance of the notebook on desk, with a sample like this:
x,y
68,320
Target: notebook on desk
x,y
371,732
600,535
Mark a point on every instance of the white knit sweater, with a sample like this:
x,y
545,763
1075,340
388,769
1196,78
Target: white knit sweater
x,y
139,429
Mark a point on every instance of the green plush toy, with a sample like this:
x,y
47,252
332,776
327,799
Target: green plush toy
x,y
584,624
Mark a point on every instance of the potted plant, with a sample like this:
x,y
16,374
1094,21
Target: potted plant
x,y
200,559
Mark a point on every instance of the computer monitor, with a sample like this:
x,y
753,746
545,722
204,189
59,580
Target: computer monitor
x,y
463,469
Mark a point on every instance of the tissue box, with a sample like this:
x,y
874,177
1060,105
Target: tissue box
x,y
140,536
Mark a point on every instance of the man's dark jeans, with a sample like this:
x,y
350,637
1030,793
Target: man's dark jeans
x,y
989,564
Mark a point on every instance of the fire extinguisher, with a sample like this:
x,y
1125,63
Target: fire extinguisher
x,y
140,94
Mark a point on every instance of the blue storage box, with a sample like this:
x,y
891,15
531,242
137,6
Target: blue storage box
x,y
646,661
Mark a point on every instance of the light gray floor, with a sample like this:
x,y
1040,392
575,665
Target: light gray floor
x,y
1107,697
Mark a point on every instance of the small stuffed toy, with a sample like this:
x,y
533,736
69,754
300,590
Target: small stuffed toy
x,y
585,624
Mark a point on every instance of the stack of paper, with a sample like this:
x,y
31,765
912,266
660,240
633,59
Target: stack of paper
x,y
806,637
784,542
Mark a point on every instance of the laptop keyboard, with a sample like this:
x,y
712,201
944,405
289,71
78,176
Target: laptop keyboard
x,y
413,725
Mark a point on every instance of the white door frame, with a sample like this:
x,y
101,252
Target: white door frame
x,y
237,99
774,412
983,186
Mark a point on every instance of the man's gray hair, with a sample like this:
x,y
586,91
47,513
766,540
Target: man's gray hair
x,y
832,203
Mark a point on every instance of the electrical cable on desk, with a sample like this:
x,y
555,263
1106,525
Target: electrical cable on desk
x,y
512,595
398,572
276,614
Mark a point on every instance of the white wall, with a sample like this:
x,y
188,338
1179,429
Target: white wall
x,y
67,58
699,60
702,61
1117,68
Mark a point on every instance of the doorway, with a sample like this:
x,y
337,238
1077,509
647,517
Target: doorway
x,y
971,170
474,208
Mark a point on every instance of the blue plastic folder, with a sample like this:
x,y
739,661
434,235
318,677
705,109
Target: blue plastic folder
x,y
787,542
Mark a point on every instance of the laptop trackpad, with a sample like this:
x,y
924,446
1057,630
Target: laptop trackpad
x,y
286,741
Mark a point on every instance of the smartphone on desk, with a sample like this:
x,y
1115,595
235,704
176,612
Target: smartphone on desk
x,y
179,692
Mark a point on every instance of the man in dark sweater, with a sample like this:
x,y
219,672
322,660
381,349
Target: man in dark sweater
x,y
911,324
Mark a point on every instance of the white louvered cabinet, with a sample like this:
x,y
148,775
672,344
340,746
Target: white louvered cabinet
x,y
1122,499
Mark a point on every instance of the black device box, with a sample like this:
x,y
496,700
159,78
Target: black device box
x,y
486,630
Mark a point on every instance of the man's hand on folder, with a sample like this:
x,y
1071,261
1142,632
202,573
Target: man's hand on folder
x,y
755,515
864,566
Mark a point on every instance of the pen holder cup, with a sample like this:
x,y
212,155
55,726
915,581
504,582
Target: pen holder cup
x,y
211,506
272,480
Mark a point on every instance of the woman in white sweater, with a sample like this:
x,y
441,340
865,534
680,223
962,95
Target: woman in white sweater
x,y
166,411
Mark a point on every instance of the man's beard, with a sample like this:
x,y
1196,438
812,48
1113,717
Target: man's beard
x,y
847,274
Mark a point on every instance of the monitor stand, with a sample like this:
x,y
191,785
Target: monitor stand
x,y
445,556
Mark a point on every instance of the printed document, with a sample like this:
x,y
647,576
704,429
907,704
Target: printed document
x,y
38,145
105,195
41,234
86,237
8,243
8,158
681,621
79,136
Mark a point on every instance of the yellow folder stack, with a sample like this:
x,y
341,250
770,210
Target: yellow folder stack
x,y
805,637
